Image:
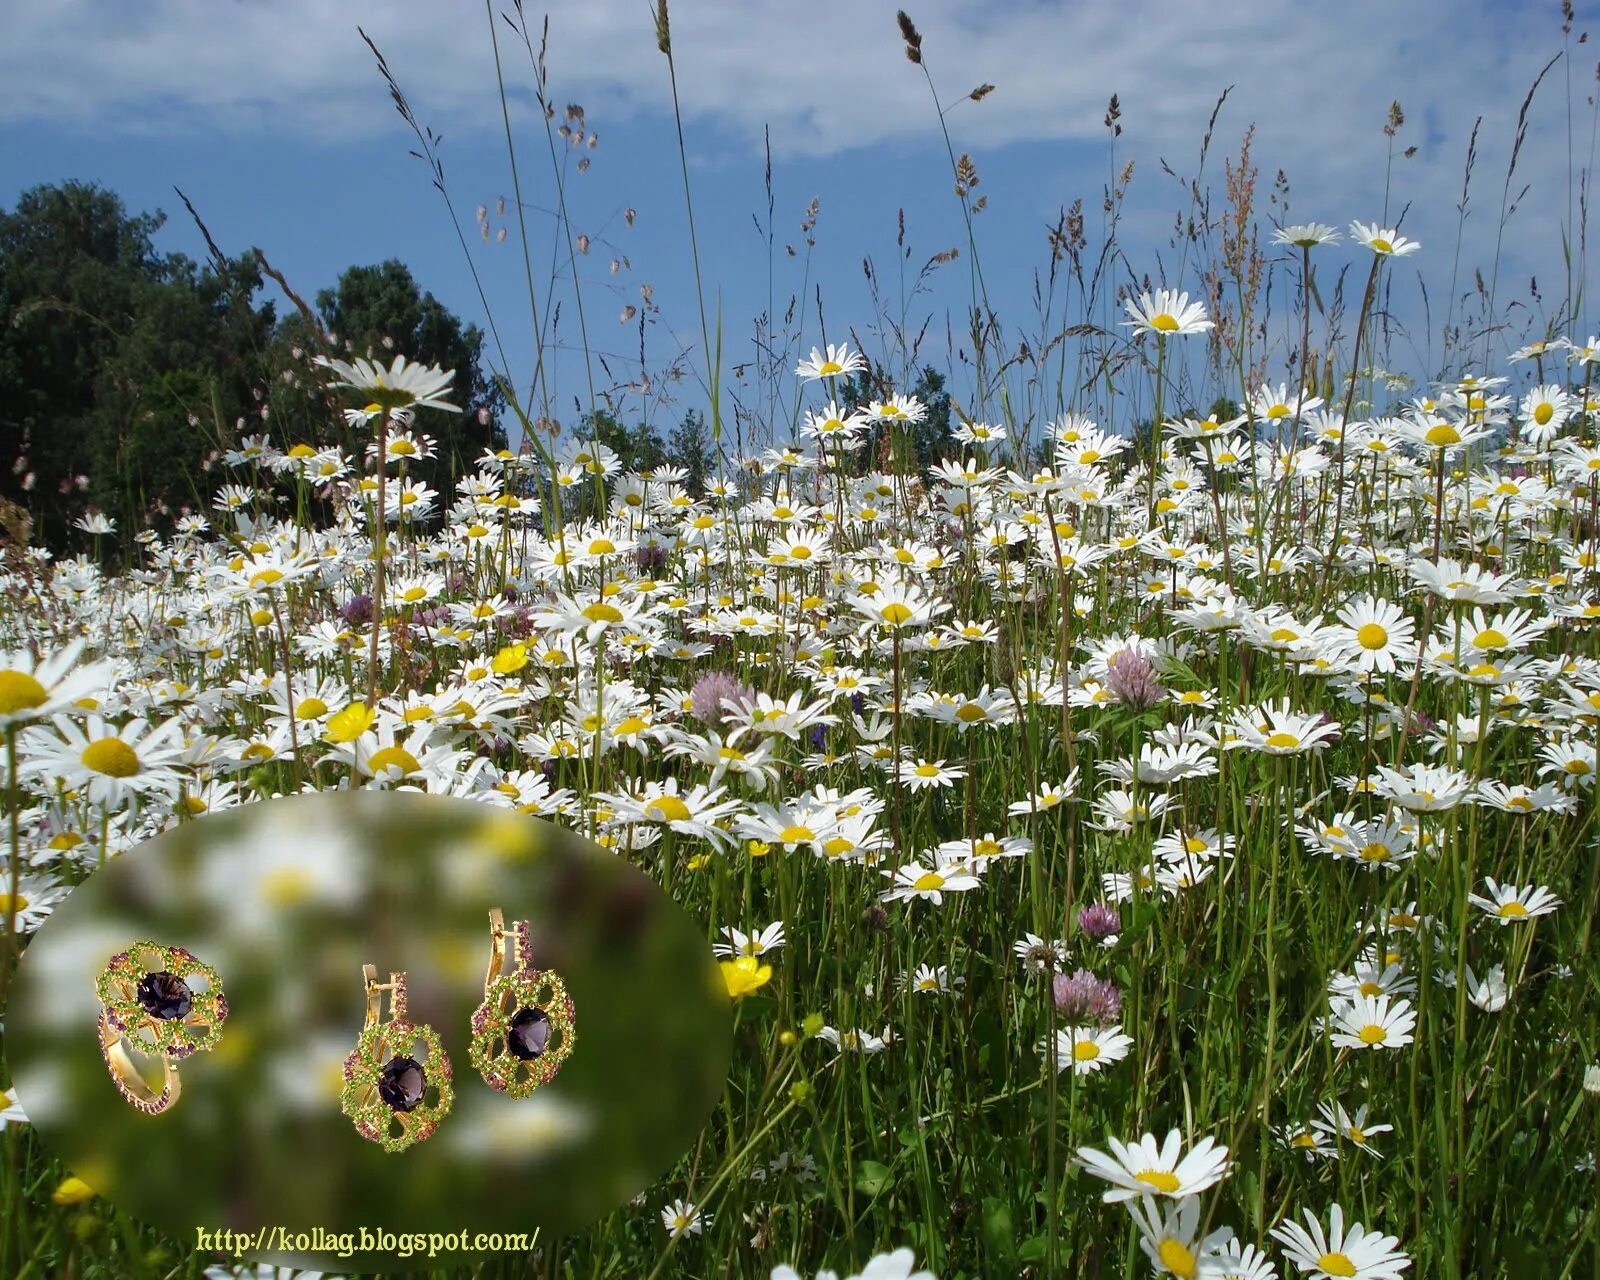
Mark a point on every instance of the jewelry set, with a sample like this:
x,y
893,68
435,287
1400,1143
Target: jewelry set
x,y
163,1002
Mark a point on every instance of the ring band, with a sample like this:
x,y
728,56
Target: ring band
x,y
129,1080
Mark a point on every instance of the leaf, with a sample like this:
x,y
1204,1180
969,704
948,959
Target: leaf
x,y
999,1233
872,1178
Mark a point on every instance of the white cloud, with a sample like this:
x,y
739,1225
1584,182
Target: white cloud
x,y
831,76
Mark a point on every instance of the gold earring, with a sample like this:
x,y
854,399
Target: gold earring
x,y
525,1028
393,1069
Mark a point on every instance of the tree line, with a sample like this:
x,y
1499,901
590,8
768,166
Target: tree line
x,y
125,371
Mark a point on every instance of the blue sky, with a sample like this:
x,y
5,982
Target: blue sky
x,y
273,119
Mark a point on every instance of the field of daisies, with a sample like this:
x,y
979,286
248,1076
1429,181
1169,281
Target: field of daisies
x,y
1182,869
1132,850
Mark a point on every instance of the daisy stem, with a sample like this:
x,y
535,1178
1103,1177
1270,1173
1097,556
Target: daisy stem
x,y
288,689
897,762
1052,1073
379,524
724,1174
1155,429
1272,994
13,814
1590,908
1344,429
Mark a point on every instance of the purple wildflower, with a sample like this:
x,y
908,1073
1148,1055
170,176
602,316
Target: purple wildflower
x,y
1132,680
357,610
650,557
712,690
1100,920
1086,997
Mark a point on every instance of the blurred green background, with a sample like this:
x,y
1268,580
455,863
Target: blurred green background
x,y
287,900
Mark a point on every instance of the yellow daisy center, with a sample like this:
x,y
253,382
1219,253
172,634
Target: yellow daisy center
x,y
796,834
1161,1179
602,612
669,809
1372,1033
1442,434
1336,1264
1490,639
1512,911
1178,1258
1166,322
112,757
928,880
19,692
1281,741
387,757
1372,636
1085,1051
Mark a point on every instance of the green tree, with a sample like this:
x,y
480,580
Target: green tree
x,y
689,447
638,447
120,367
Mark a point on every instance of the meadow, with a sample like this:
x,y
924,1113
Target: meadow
x,y
1149,830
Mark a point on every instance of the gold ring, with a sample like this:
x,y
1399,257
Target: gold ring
x,y
156,1002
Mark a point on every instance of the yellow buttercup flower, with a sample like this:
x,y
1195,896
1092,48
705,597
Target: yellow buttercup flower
x,y
73,1190
351,723
745,975
510,659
